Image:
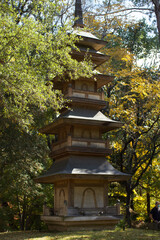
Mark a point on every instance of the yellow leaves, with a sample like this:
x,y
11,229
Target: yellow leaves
x,y
138,198
127,58
117,145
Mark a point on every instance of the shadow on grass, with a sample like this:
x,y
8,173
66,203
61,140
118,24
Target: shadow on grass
x,y
128,234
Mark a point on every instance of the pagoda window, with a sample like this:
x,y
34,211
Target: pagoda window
x,y
84,87
63,136
95,134
77,132
86,134
87,86
77,85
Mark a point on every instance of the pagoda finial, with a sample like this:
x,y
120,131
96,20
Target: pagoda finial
x,y
78,15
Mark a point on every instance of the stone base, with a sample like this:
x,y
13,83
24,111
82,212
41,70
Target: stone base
x,y
76,223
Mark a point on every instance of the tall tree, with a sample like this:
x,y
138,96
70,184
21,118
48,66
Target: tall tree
x,y
153,8
133,98
34,50
124,9
135,101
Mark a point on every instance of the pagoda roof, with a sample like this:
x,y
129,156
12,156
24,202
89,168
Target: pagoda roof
x,y
82,116
100,78
82,33
84,166
81,101
86,114
96,57
88,39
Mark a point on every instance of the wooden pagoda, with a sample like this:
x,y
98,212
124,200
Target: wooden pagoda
x,y
81,173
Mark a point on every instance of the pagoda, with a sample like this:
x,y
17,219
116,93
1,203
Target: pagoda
x,y
81,173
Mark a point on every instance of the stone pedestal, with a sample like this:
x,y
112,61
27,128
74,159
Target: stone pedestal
x,y
58,223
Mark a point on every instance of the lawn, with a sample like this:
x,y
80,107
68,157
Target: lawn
x,y
128,234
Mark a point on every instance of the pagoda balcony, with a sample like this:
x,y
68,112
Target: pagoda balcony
x,y
95,146
80,142
70,92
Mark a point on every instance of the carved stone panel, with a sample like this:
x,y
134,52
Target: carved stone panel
x,y
61,201
88,197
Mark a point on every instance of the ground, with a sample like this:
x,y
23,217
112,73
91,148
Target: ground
x,y
118,234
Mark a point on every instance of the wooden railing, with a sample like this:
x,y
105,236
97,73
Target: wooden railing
x,y
84,94
80,142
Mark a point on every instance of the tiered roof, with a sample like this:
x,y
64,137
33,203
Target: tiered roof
x,y
90,165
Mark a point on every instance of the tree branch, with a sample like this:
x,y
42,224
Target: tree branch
x,y
144,169
125,9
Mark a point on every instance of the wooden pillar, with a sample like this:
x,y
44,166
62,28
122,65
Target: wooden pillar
x,y
105,194
102,96
95,86
118,205
55,199
70,193
70,91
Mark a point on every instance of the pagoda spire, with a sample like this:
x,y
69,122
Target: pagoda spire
x,y
78,15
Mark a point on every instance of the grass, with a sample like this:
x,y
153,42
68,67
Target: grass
x,y
128,234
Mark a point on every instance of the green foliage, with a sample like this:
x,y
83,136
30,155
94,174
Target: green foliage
x,y
34,51
30,58
23,156
132,98
153,10
139,38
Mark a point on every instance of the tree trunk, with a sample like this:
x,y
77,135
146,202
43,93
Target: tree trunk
x,y
128,200
22,214
148,206
157,12
132,202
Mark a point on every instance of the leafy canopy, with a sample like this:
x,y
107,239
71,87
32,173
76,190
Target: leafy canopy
x,y
31,56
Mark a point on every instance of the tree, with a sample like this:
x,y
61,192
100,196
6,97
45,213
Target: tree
x,y
149,186
132,98
34,50
136,103
153,7
31,56
123,9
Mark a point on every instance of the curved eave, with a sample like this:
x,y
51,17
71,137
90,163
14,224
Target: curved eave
x,y
92,42
97,104
88,39
96,57
54,178
84,167
105,126
82,116
101,80
80,151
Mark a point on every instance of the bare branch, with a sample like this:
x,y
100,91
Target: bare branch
x,y
125,9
